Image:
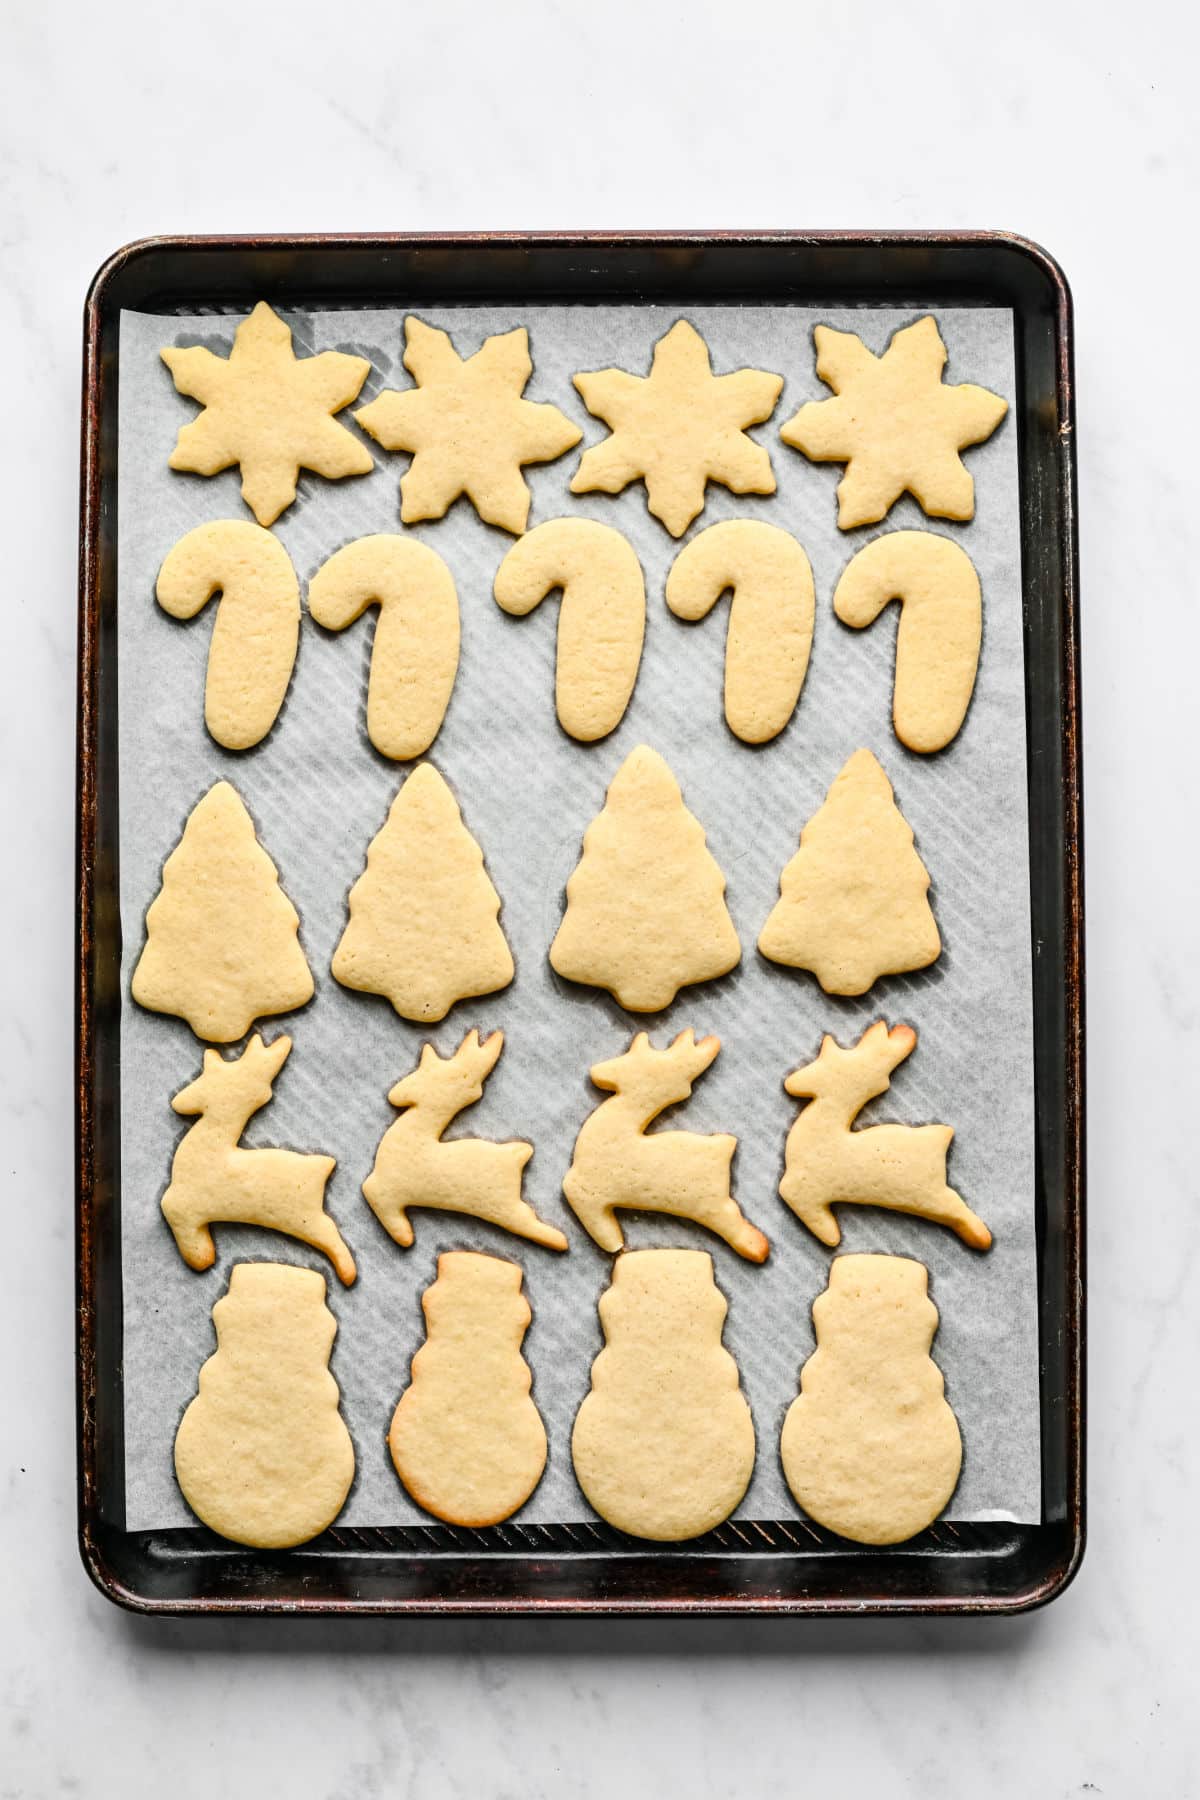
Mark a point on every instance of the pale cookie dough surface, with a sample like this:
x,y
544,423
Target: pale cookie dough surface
x,y
262,1454
467,1440
602,621
895,423
222,946
853,902
663,1445
677,429
941,626
424,917
414,652
870,1447
646,912
268,411
468,426
253,647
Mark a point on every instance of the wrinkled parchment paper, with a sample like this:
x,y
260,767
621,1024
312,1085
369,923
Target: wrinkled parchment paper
x,y
318,792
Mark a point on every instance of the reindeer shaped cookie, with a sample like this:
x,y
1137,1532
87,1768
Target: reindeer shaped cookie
x,y
468,1175
902,1167
679,1172
214,1181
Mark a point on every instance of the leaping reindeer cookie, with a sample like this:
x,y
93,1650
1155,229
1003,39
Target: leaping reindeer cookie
x,y
902,1167
215,1181
679,1172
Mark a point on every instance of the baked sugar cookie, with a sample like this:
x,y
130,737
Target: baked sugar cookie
x,y
941,626
222,946
677,429
262,1454
663,1445
268,411
468,427
617,1163
853,901
466,1439
253,647
894,423
870,1448
646,912
770,620
424,917
414,653
900,1167
214,1180
413,1167
601,623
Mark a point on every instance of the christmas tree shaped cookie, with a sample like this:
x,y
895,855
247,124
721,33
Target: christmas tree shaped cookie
x,y
646,912
617,1163
468,426
853,902
269,411
467,1440
262,1453
677,429
424,917
663,1445
213,1179
413,1167
221,937
870,1448
901,1167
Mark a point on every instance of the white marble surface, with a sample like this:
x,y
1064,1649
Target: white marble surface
x,y
1072,124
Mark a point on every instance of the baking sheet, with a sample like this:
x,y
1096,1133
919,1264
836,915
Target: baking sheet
x,y
318,792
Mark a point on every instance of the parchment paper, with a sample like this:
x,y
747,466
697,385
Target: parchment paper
x,y
318,793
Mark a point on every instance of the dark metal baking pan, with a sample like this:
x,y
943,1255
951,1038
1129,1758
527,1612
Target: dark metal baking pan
x,y
769,1566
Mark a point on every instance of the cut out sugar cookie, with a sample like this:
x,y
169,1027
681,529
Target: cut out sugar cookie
x,y
941,626
601,623
853,901
466,1439
252,651
618,1163
663,1445
901,1167
414,653
646,912
677,429
269,411
770,629
413,1167
214,1180
262,1454
424,917
222,946
468,427
894,423
870,1447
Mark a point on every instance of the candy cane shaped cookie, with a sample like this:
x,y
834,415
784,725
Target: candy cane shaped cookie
x,y
253,647
601,622
941,624
414,656
770,620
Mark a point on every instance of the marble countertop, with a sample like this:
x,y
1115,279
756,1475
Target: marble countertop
x,y
1072,125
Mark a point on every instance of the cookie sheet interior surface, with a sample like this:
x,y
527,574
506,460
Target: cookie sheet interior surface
x,y
318,793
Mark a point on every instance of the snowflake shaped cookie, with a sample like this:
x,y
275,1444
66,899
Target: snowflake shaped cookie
x,y
677,429
269,411
894,423
467,426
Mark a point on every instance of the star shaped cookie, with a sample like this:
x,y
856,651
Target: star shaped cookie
x,y
467,426
894,423
268,411
677,429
